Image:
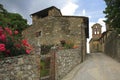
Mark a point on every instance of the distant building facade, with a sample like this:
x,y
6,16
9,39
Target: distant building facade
x,y
95,45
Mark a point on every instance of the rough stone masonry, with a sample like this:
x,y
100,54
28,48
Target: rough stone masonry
x,y
49,27
23,67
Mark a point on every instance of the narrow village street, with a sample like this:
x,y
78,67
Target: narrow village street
x,y
97,66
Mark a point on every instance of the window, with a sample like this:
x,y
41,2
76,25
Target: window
x,y
63,42
95,32
38,34
98,32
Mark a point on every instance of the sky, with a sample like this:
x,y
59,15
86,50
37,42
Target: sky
x,y
89,8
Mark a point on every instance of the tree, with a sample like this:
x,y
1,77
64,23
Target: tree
x,y
2,10
112,12
14,20
17,22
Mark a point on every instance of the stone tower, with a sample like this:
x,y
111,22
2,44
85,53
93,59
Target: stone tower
x,y
96,31
95,45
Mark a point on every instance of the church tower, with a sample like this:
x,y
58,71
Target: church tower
x,y
96,31
94,43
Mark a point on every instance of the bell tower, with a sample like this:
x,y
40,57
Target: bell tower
x,y
96,31
95,45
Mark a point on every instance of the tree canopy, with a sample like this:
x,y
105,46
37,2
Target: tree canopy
x,y
112,12
13,20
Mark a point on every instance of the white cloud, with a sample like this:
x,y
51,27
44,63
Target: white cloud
x,y
100,21
83,12
69,8
89,16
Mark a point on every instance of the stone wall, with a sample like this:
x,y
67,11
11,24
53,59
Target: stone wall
x,y
65,61
95,46
24,67
55,29
112,46
71,29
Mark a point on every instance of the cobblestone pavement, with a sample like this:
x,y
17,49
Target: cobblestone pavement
x,y
97,66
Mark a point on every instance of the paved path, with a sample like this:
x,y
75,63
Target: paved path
x,y
97,67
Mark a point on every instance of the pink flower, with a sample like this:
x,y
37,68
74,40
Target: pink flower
x,y
25,42
16,32
3,37
8,30
2,47
28,51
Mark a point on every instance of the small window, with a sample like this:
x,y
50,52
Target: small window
x,y
63,42
98,32
38,34
95,32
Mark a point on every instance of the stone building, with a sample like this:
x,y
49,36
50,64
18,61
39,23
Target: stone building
x,y
110,42
95,45
50,27
104,37
98,40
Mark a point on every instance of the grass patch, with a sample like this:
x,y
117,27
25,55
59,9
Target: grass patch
x,y
44,71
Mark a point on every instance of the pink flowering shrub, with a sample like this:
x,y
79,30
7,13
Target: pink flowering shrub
x,y
11,44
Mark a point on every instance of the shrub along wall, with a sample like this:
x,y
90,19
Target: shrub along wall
x,y
112,46
23,67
